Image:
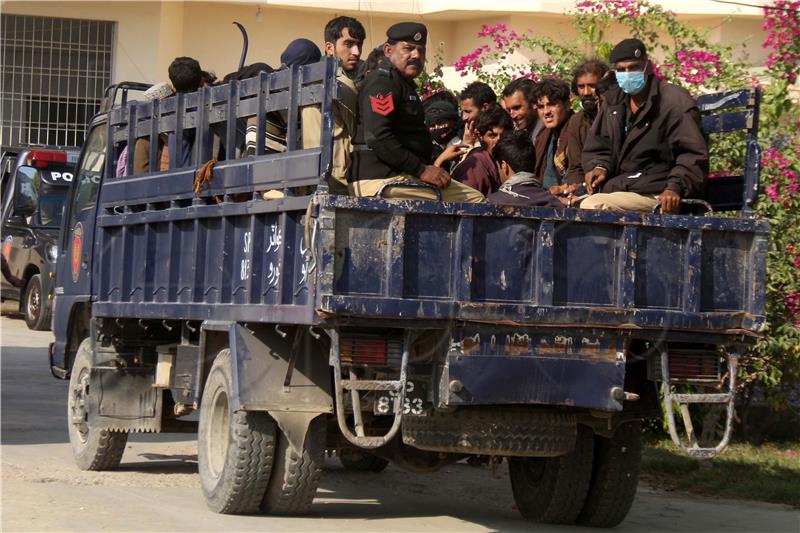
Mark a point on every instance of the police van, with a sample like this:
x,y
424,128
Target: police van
x,y
35,182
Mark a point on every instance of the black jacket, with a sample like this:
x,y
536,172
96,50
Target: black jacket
x,y
664,147
526,195
390,136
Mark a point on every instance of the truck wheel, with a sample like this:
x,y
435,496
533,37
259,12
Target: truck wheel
x,y
614,478
37,314
234,449
295,476
93,449
553,489
357,461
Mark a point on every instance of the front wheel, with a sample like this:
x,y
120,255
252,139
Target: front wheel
x,y
92,448
37,314
234,449
552,490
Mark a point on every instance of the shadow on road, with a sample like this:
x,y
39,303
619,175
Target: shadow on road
x,y
33,402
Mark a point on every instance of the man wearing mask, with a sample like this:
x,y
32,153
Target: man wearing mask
x,y
392,147
646,146
344,39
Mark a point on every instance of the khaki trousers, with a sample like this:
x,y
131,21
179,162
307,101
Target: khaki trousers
x,y
454,192
621,201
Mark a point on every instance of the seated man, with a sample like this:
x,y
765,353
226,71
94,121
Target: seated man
x,y
478,169
441,117
552,105
185,75
584,78
515,155
392,146
646,145
519,101
476,98
344,39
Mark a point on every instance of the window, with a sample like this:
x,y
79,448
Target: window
x,y
87,179
54,72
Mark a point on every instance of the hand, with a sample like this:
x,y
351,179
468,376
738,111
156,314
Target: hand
x,y
567,189
451,152
594,178
435,176
670,201
470,135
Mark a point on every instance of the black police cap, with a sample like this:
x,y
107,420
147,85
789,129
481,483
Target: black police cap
x,y
628,50
410,32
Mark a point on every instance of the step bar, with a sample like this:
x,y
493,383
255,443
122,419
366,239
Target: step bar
x,y
693,449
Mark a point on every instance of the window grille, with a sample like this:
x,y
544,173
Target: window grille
x,y
53,72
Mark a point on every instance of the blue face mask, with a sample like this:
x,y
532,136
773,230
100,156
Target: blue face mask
x,y
631,82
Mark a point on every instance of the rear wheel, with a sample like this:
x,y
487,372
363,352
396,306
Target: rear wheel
x,y
234,449
615,477
296,473
92,448
553,489
37,315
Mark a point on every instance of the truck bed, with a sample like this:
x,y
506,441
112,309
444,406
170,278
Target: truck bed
x,y
173,257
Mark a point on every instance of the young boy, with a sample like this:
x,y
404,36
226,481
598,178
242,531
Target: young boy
x,y
517,160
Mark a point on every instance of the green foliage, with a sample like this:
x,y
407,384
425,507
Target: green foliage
x,y
685,56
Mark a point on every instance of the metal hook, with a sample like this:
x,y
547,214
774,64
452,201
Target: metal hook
x,y
279,332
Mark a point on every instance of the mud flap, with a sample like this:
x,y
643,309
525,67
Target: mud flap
x,y
284,373
126,401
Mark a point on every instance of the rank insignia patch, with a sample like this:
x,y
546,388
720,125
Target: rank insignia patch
x,y
382,105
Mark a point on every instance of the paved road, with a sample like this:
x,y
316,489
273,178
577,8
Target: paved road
x,y
156,488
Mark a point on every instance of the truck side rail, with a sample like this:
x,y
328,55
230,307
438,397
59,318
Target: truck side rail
x,y
224,107
726,113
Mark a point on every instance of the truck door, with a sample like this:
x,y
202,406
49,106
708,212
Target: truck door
x,y
17,236
74,267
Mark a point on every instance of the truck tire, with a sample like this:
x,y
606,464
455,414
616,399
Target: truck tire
x,y
37,314
552,490
615,476
92,448
356,460
488,430
234,449
295,476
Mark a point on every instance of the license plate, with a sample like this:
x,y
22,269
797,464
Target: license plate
x,y
414,401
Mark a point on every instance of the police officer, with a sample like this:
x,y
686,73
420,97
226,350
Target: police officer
x,y
392,145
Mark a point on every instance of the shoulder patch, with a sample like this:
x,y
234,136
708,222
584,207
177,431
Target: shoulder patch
x,y
382,104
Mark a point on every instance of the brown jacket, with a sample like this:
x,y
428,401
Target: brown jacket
x,y
141,155
663,149
577,131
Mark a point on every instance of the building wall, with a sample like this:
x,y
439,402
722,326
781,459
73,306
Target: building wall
x,y
138,30
151,34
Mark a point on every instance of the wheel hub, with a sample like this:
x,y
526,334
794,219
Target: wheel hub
x,y
34,301
79,412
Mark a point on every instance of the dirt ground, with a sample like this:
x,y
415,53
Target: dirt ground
x,y
157,489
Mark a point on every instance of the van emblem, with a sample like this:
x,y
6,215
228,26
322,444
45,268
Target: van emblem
x,y
77,248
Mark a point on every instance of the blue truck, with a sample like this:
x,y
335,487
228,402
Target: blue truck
x,y
412,332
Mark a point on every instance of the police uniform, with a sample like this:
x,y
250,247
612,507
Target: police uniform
x,y
392,143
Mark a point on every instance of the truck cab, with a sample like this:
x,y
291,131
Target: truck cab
x,y
35,183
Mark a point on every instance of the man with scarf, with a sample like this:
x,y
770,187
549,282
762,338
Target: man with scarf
x,y
553,108
646,147
520,186
441,117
